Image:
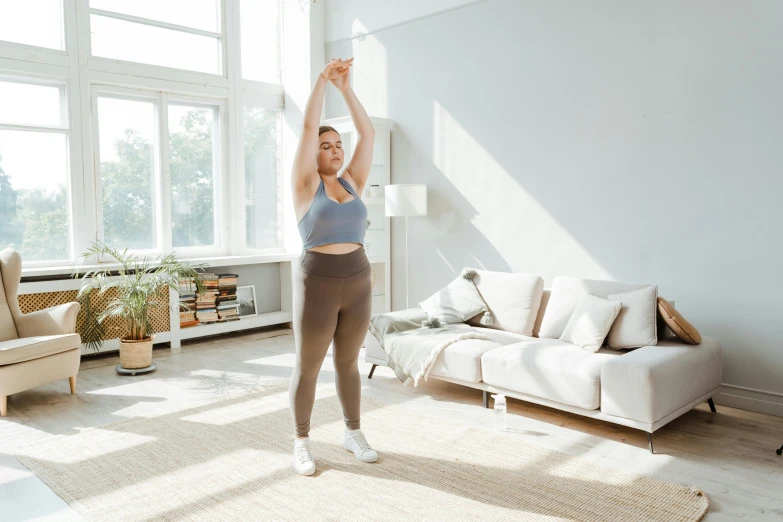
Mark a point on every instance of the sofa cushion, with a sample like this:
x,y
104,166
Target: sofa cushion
x,y
636,324
566,292
590,322
652,382
502,337
550,369
513,299
455,303
27,348
462,360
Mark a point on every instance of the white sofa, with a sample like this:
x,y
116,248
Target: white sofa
x,y
643,388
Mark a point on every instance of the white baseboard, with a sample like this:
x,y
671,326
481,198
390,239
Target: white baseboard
x,y
759,401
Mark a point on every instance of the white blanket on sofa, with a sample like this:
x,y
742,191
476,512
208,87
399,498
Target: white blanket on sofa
x,y
412,353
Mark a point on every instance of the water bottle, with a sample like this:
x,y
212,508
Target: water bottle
x,y
500,412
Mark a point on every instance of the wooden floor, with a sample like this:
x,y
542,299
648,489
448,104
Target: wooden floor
x,y
730,455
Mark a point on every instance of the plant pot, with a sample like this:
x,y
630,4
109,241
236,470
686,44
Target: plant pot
x,y
136,354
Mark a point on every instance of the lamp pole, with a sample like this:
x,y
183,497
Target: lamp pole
x,y
407,263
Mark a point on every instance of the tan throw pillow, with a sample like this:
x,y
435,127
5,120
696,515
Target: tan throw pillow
x,y
684,330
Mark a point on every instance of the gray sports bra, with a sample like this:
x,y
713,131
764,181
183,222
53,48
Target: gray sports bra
x,y
327,221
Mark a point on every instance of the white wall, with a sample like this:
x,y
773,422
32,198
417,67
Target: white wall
x,y
629,140
347,18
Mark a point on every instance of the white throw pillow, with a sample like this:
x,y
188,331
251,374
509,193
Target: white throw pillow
x,y
456,303
566,293
636,324
513,300
590,322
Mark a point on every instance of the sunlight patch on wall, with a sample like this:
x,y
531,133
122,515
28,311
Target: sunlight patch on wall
x,y
522,231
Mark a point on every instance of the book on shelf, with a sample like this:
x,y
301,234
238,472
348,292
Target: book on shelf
x,y
216,303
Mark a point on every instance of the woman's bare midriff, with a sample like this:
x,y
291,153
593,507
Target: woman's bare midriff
x,y
336,248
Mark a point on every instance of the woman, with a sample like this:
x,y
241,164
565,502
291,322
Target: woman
x,y
332,284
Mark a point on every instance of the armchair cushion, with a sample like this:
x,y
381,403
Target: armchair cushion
x,y
60,319
27,348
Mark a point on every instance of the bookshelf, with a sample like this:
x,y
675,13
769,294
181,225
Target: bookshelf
x,y
273,299
270,274
378,235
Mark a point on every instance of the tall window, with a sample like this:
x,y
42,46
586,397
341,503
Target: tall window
x,y
33,22
134,176
128,121
34,173
194,165
263,182
260,30
182,34
128,148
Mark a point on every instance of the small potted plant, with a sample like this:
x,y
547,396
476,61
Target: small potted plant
x,y
136,282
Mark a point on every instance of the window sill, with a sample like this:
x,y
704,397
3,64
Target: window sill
x,y
39,273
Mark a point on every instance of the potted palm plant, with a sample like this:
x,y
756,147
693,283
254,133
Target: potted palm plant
x,y
137,283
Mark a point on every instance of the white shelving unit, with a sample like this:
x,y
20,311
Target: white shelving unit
x,y
176,335
378,235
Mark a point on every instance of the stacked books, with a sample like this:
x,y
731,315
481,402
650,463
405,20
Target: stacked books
x,y
226,300
187,296
206,312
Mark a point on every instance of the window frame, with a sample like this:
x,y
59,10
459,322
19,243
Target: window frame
x,y
24,49
101,63
162,174
86,77
66,127
260,101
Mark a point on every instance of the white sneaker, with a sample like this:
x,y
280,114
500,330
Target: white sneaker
x,y
355,441
304,463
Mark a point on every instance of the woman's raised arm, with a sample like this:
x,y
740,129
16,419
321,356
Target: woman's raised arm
x,y
305,167
359,166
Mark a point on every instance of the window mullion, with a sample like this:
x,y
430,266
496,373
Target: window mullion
x,y
218,175
163,186
155,23
77,33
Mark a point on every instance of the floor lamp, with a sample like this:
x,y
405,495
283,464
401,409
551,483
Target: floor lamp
x,y
405,200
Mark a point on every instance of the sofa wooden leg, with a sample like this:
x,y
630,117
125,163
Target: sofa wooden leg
x,y
649,443
486,399
712,405
72,380
371,371
3,405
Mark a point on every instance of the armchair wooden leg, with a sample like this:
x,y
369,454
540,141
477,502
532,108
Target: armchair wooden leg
x,y
3,405
73,384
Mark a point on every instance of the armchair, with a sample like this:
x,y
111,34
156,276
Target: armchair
x,y
35,348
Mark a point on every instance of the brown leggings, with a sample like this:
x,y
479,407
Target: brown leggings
x,y
332,301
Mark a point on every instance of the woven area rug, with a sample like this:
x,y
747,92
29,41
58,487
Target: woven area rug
x,y
231,460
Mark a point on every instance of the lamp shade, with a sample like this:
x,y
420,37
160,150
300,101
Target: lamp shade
x,y
406,199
